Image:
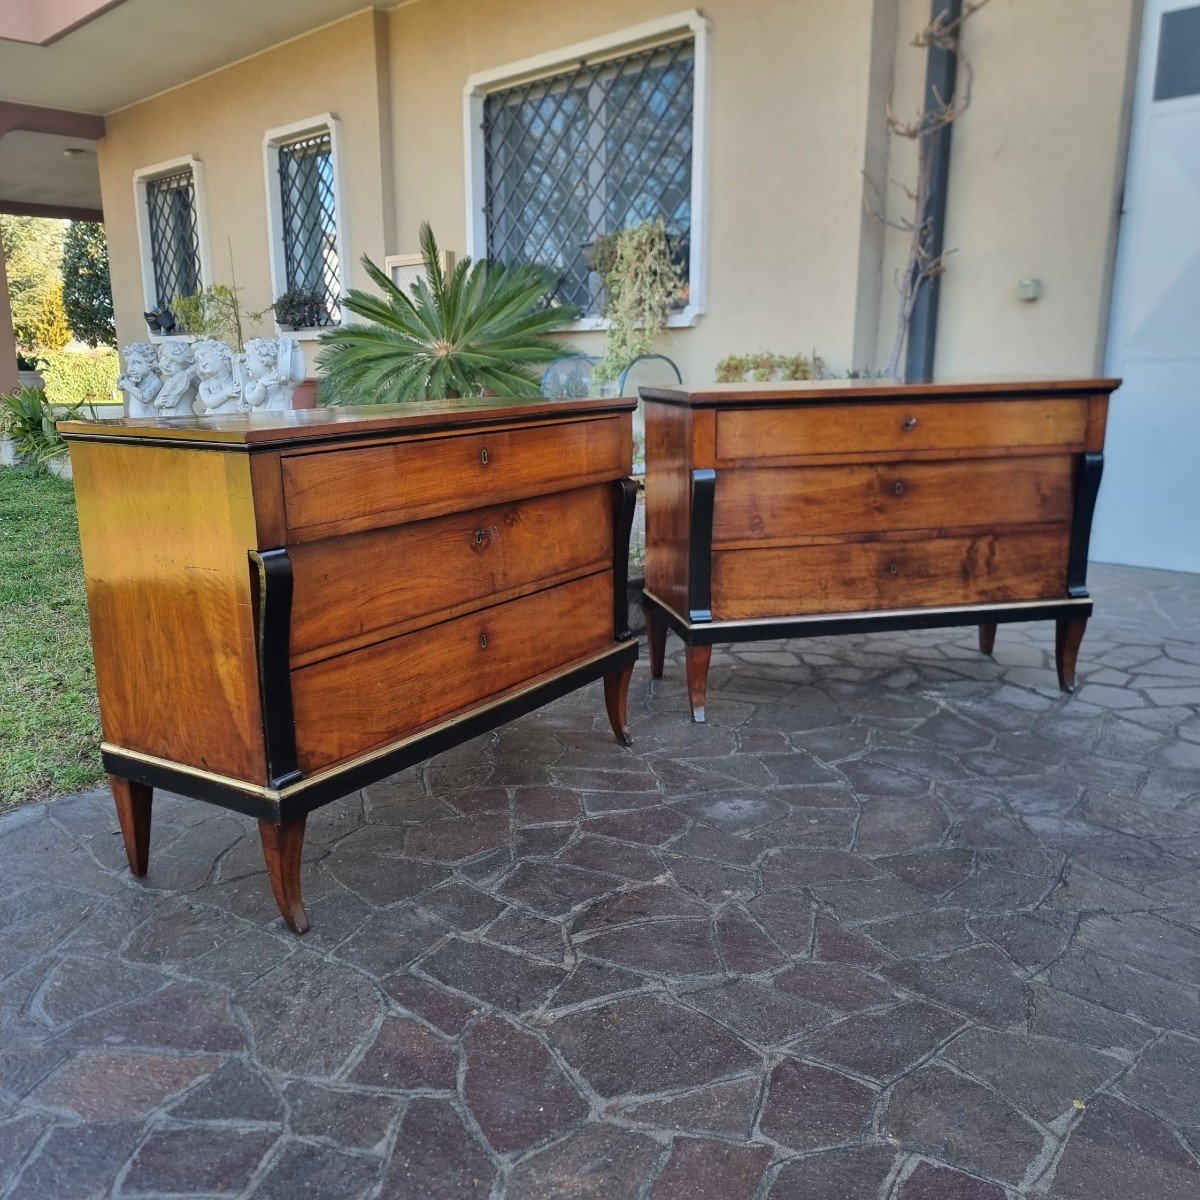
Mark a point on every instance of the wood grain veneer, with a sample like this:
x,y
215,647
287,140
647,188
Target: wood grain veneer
x,y
465,559
358,701
287,606
789,506
807,509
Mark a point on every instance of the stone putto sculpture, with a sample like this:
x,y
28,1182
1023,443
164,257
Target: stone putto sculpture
x,y
178,378
219,389
272,369
142,379
178,393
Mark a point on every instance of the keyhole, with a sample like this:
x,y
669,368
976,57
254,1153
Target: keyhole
x,y
483,456
479,537
483,641
898,488
894,568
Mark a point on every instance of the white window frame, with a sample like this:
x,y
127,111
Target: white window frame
x,y
636,37
273,139
141,177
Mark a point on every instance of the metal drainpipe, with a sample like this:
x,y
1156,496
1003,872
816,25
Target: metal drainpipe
x,y
941,67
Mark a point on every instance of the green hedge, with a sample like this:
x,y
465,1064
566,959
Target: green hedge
x,y
74,378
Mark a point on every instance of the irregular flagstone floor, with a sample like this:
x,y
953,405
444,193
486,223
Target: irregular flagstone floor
x,y
901,921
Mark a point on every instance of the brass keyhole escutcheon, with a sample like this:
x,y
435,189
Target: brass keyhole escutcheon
x,y
483,641
910,423
483,457
898,487
894,568
483,535
479,536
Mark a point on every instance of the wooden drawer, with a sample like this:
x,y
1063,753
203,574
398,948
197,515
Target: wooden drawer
x,y
347,705
357,588
858,430
369,487
792,503
863,576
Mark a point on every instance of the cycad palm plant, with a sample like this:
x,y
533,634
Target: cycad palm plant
x,y
482,328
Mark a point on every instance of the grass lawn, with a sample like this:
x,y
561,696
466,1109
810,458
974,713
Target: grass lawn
x,y
49,721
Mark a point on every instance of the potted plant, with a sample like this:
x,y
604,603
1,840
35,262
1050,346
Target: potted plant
x,y
643,282
300,308
762,366
215,312
160,320
482,328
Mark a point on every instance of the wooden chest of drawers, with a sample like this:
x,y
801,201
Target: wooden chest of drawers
x,y
288,606
780,510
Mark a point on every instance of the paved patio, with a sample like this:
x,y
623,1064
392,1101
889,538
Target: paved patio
x,y
900,922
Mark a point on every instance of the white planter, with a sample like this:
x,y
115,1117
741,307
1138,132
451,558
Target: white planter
x,y
60,467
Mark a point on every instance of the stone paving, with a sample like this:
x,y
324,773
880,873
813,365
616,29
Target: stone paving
x,y
901,921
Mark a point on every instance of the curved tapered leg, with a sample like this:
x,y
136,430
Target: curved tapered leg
x,y
656,635
987,638
282,845
1068,633
616,700
134,806
698,658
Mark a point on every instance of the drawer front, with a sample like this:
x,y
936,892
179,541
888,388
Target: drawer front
x,y
762,435
868,576
369,487
785,504
364,586
367,698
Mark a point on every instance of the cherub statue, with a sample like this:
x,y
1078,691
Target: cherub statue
x,y
273,367
178,392
219,388
142,380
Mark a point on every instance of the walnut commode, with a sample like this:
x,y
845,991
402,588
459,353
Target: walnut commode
x,y
800,510
288,606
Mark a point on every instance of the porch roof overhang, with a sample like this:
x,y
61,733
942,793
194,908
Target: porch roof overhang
x,y
98,57
48,162
66,63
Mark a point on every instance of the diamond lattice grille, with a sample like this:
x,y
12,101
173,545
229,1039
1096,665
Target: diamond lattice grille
x,y
310,248
174,236
585,153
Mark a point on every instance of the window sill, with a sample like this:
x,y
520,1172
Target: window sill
x,y
310,334
685,319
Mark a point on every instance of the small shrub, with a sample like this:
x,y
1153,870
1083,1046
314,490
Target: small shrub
x,y
215,312
73,378
301,308
28,418
762,367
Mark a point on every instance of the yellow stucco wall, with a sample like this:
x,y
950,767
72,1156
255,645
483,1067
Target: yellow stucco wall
x,y
798,89
221,120
1037,164
789,107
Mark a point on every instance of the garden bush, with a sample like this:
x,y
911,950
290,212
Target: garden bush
x,y
73,378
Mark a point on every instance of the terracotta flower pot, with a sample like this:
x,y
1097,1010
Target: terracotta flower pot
x,y
305,395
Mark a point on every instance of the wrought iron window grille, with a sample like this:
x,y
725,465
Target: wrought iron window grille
x,y
308,207
581,154
174,236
